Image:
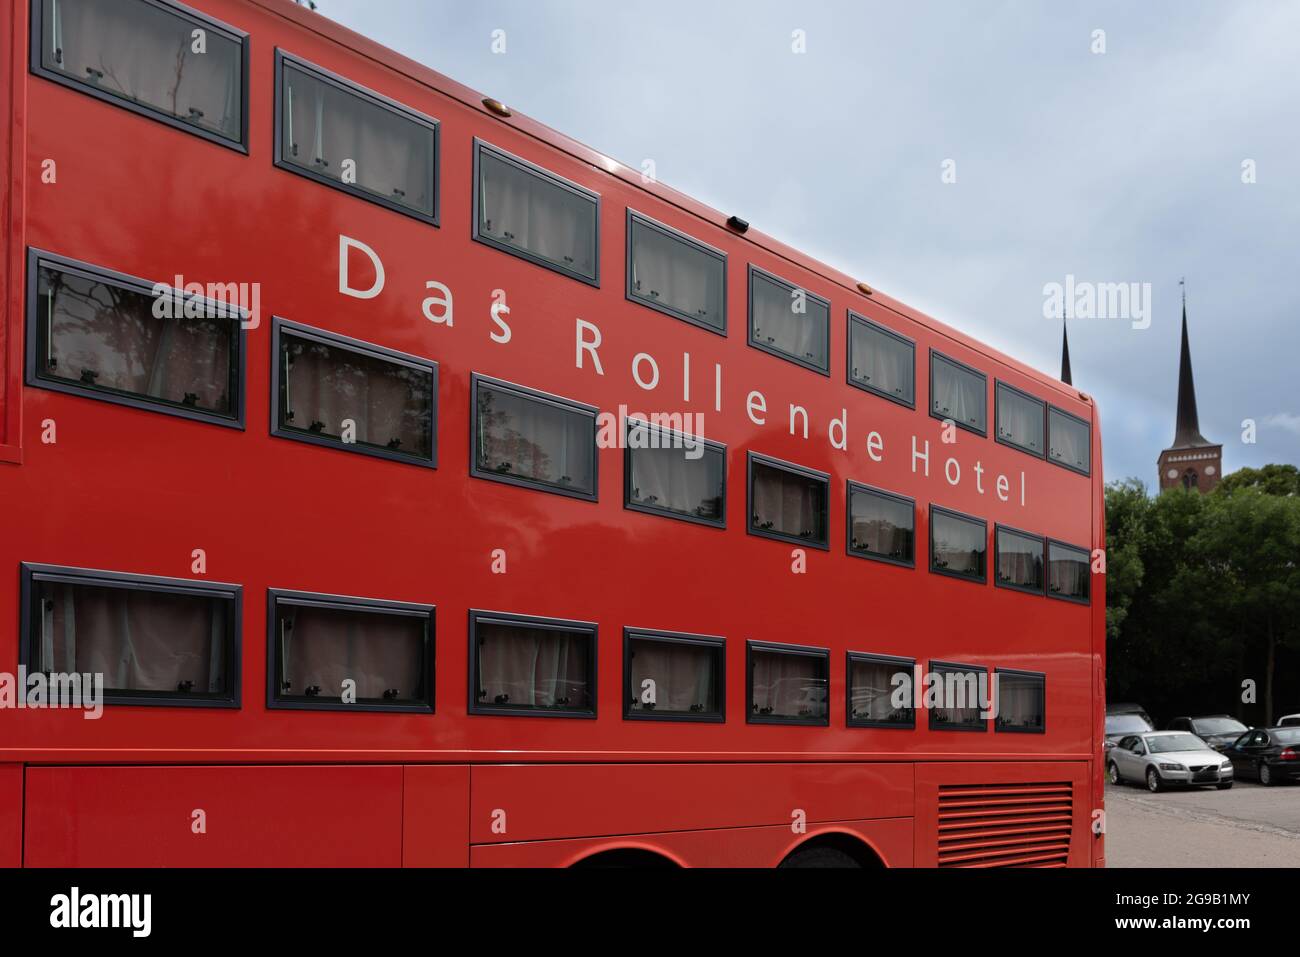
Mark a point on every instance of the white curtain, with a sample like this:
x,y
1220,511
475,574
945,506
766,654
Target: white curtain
x,y
778,325
672,273
143,54
1069,441
881,526
1020,562
1020,420
138,640
958,395
788,686
872,690
323,647
535,440
1068,574
788,504
107,336
523,209
882,362
325,126
390,404
532,667
958,546
1020,701
682,675
666,478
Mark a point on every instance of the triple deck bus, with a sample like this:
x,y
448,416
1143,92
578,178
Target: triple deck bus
x,y
391,480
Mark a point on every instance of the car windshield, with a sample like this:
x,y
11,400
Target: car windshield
x,y
1218,726
1125,724
1162,743
1286,736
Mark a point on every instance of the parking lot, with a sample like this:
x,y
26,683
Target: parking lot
x,y
1247,826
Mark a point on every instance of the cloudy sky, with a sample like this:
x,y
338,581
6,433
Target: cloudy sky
x,y
1117,166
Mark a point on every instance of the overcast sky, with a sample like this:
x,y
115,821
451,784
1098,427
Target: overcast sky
x,y
1122,166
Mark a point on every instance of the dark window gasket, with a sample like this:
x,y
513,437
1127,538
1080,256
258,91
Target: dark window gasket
x,y
757,272
277,596
680,237
322,75
871,658
478,617
481,146
33,573
280,327
998,386
201,20
852,487
569,405
984,393
757,458
998,529
805,651
238,343
873,326
716,644
708,444
961,516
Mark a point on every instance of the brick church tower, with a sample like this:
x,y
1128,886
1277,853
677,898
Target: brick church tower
x,y
1192,461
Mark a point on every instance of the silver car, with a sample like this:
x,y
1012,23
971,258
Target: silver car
x,y
1161,759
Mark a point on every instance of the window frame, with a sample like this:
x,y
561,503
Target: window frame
x,y
805,651
570,405
239,343
852,657
719,647
1047,574
852,487
32,573
374,98
998,529
305,599
872,325
479,616
997,721
356,346
708,444
934,666
953,513
555,179
936,354
757,271
675,234
757,458
200,20
1081,421
998,386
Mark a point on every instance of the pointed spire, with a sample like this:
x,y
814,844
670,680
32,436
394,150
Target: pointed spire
x,y
1065,354
1187,433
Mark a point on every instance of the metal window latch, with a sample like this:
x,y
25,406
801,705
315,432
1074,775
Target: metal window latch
x,y
316,426
394,443
185,686
312,691
390,694
502,698
190,399
89,376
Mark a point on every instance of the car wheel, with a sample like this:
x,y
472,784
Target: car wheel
x,y
1113,771
1224,786
1154,782
1266,776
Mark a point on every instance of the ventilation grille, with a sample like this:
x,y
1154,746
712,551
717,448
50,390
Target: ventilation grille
x,y
1005,825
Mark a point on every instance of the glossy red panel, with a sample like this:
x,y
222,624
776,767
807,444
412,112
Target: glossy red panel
x,y
435,816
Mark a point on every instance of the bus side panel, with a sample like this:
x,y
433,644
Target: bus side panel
x,y
995,814
435,815
11,815
544,802
309,816
890,840
13,156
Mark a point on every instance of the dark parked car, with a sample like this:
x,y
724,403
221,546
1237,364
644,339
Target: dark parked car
x,y
1271,755
1219,731
1123,720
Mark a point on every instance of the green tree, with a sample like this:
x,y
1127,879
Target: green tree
x,y
1271,479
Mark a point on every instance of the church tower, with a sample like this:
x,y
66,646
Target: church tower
x,y
1192,461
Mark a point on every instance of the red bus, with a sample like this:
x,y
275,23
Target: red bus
x,y
391,480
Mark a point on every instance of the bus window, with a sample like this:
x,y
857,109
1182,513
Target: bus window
x,y
673,676
788,321
882,361
676,274
1068,440
1067,572
1021,701
879,697
1019,560
674,475
958,392
1020,420
788,684
522,665
881,525
788,502
958,544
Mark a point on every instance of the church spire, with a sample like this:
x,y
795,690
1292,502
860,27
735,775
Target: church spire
x,y
1187,433
1065,354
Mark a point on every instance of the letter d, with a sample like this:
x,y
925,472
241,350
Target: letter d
x,y
346,243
